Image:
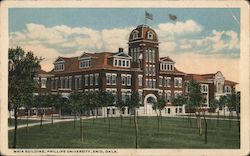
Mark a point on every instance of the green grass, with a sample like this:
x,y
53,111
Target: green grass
x,y
174,133
21,121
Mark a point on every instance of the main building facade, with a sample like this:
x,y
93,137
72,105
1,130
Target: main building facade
x,y
139,69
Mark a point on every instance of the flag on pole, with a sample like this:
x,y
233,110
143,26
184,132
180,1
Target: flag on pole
x,y
148,15
172,17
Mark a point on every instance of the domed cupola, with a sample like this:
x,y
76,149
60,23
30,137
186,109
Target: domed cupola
x,y
143,32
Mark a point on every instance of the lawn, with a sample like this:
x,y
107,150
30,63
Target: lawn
x,y
174,133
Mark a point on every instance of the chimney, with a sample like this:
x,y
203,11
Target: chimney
x,y
120,49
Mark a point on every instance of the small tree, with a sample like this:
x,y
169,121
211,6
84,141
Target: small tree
x,y
214,104
222,103
120,105
135,99
195,99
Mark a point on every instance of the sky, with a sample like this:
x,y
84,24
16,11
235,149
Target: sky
x,y
200,40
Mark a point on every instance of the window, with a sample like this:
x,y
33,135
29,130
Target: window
x,y
227,89
62,81
121,63
108,79
86,79
91,79
43,82
84,63
204,88
78,80
129,80
52,83
124,96
178,82
168,80
56,83
116,62
70,82
180,110
140,80
150,35
168,97
160,81
135,34
59,67
66,82
123,80
96,79
169,111
113,79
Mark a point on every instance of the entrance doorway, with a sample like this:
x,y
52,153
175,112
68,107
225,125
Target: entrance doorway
x,y
148,103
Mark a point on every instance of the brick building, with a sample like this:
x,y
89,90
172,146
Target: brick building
x,y
139,69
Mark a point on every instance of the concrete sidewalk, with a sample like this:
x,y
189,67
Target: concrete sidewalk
x,y
45,122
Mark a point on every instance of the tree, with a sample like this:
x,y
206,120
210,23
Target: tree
x,y
120,105
214,104
159,105
135,99
55,102
180,100
222,103
109,102
23,67
195,99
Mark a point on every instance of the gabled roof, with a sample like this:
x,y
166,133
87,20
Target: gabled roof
x,y
122,55
166,59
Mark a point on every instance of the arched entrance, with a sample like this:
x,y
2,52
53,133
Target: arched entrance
x,y
148,103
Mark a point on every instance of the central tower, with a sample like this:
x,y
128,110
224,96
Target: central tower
x,y
143,47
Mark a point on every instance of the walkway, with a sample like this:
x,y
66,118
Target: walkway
x,y
45,122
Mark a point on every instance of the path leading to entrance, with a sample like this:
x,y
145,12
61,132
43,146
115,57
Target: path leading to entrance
x,y
46,122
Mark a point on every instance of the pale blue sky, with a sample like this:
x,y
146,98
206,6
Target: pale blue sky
x,y
220,19
204,31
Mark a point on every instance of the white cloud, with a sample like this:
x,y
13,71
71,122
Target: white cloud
x,y
180,37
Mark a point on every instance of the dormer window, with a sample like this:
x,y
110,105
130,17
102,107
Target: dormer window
x,y
121,62
59,67
167,66
150,35
135,34
85,63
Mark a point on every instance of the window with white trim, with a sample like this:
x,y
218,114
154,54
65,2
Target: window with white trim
x,y
168,97
160,81
135,34
86,80
177,82
128,80
78,80
140,80
167,66
168,81
204,88
43,82
113,79
96,79
227,89
70,82
62,82
150,35
123,80
121,62
108,78
85,63
59,67
91,79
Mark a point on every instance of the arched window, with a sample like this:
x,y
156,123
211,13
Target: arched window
x,y
150,35
227,89
135,34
